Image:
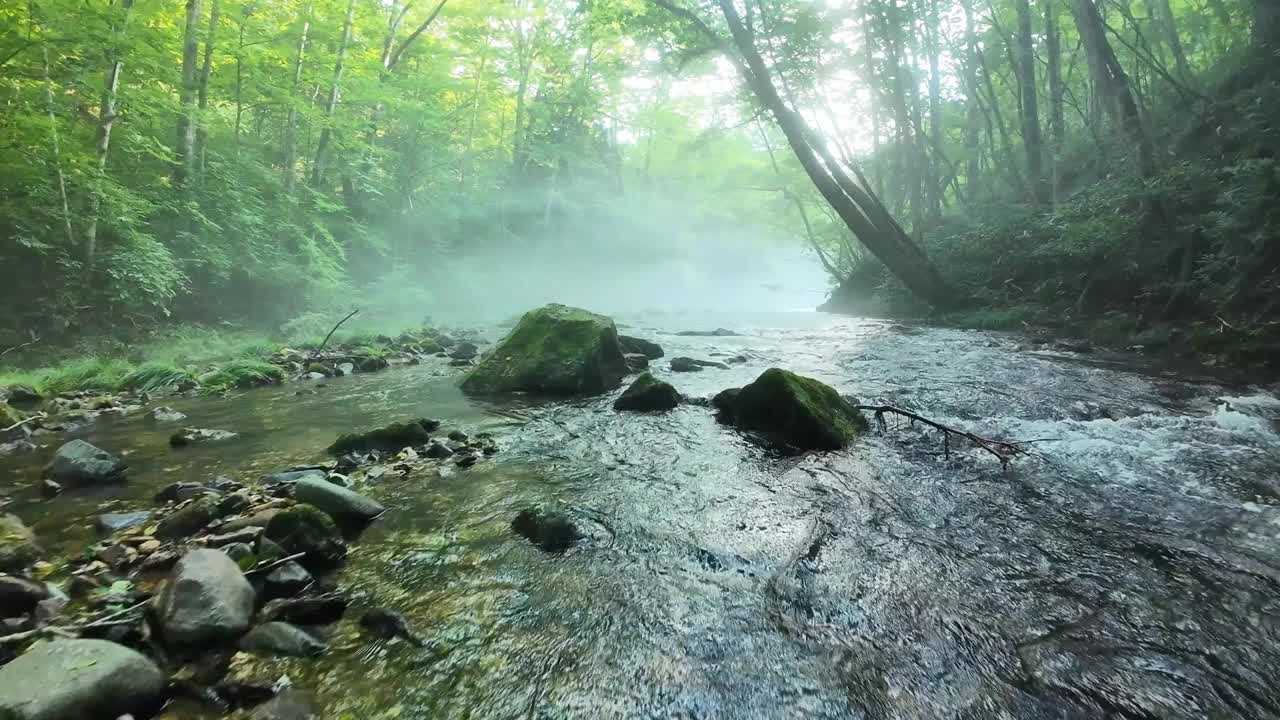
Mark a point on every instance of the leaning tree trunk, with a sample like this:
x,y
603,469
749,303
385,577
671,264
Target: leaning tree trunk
x,y
1057,90
102,144
331,105
1108,72
291,118
862,212
973,124
182,170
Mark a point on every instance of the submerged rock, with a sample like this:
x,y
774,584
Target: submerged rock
x,y
651,350
550,531
684,364
164,414
18,547
464,351
78,680
110,523
280,638
391,438
388,624
718,332
648,394
636,362
191,436
21,395
794,411
287,580
77,463
554,350
343,505
206,600
288,705
306,529
318,610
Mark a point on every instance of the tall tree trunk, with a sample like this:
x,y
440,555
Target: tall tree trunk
x,y
869,44
58,173
1057,118
202,92
936,187
106,120
1163,15
861,211
1030,110
186,156
1114,83
291,119
973,126
331,105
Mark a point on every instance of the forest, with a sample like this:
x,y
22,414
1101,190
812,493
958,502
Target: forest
x,y
1097,164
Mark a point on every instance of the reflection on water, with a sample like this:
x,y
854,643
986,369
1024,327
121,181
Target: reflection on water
x,y
1131,569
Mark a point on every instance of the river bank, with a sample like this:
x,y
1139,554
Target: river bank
x,y
717,578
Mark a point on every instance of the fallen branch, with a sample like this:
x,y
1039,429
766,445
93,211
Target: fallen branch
x,y
20,423
275,564
318,350
1002,450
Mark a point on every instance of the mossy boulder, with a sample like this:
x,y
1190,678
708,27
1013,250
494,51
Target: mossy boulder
x,y
307,529
794,411
189,519
648,394
18,547
391,438
553,350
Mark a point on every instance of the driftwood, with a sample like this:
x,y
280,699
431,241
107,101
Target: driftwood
x,y
20,423
73,631
1004,451
275,564
317,351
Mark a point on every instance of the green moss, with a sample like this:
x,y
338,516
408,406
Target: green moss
x,y
647,394
391,438
555,350
797,411
242,373
156,375
307,529
9,415
17,544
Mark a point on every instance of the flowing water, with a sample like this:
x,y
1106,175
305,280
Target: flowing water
x,y
1130,568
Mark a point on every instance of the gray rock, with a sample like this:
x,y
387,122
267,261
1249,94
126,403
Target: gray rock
x,y
718,332
111,523
288,705
280,638
165,414
648,394
21,395
287,580
346,368
318,610
651,350
438,451
206,600
18,547
240,552
193,436
79,680
18,595
78,463
340,503
180,491
636,362
684,364
464,351
188,519
288,476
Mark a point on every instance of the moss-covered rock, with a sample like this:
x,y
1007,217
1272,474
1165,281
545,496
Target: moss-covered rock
x,y
307,529
189,519
391,438
554,350
648,394
18,547
794,411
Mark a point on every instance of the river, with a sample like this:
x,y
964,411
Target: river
x,y
1129,568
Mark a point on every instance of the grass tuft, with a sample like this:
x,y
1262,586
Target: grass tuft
x,y
243,373
155,375
87,374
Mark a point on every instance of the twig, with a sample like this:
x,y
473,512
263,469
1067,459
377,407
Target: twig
x,y
1002,450
331,332
18,347
106,619
20,423
275,564
28,634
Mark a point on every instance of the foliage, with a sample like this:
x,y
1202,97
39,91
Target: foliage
x,y
154,376
242,373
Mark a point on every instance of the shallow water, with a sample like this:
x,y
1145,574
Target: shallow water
x,y
1131,568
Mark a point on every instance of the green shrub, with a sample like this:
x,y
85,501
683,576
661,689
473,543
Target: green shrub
x,y
243,373
156,375
87,374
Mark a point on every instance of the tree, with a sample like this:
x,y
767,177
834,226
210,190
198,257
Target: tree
x,y
1029,106
186,149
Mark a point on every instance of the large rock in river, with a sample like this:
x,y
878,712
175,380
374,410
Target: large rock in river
x,y
343,505
206,600
793,411
18,547
77,680
306,529
78,463
554,350
648,394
